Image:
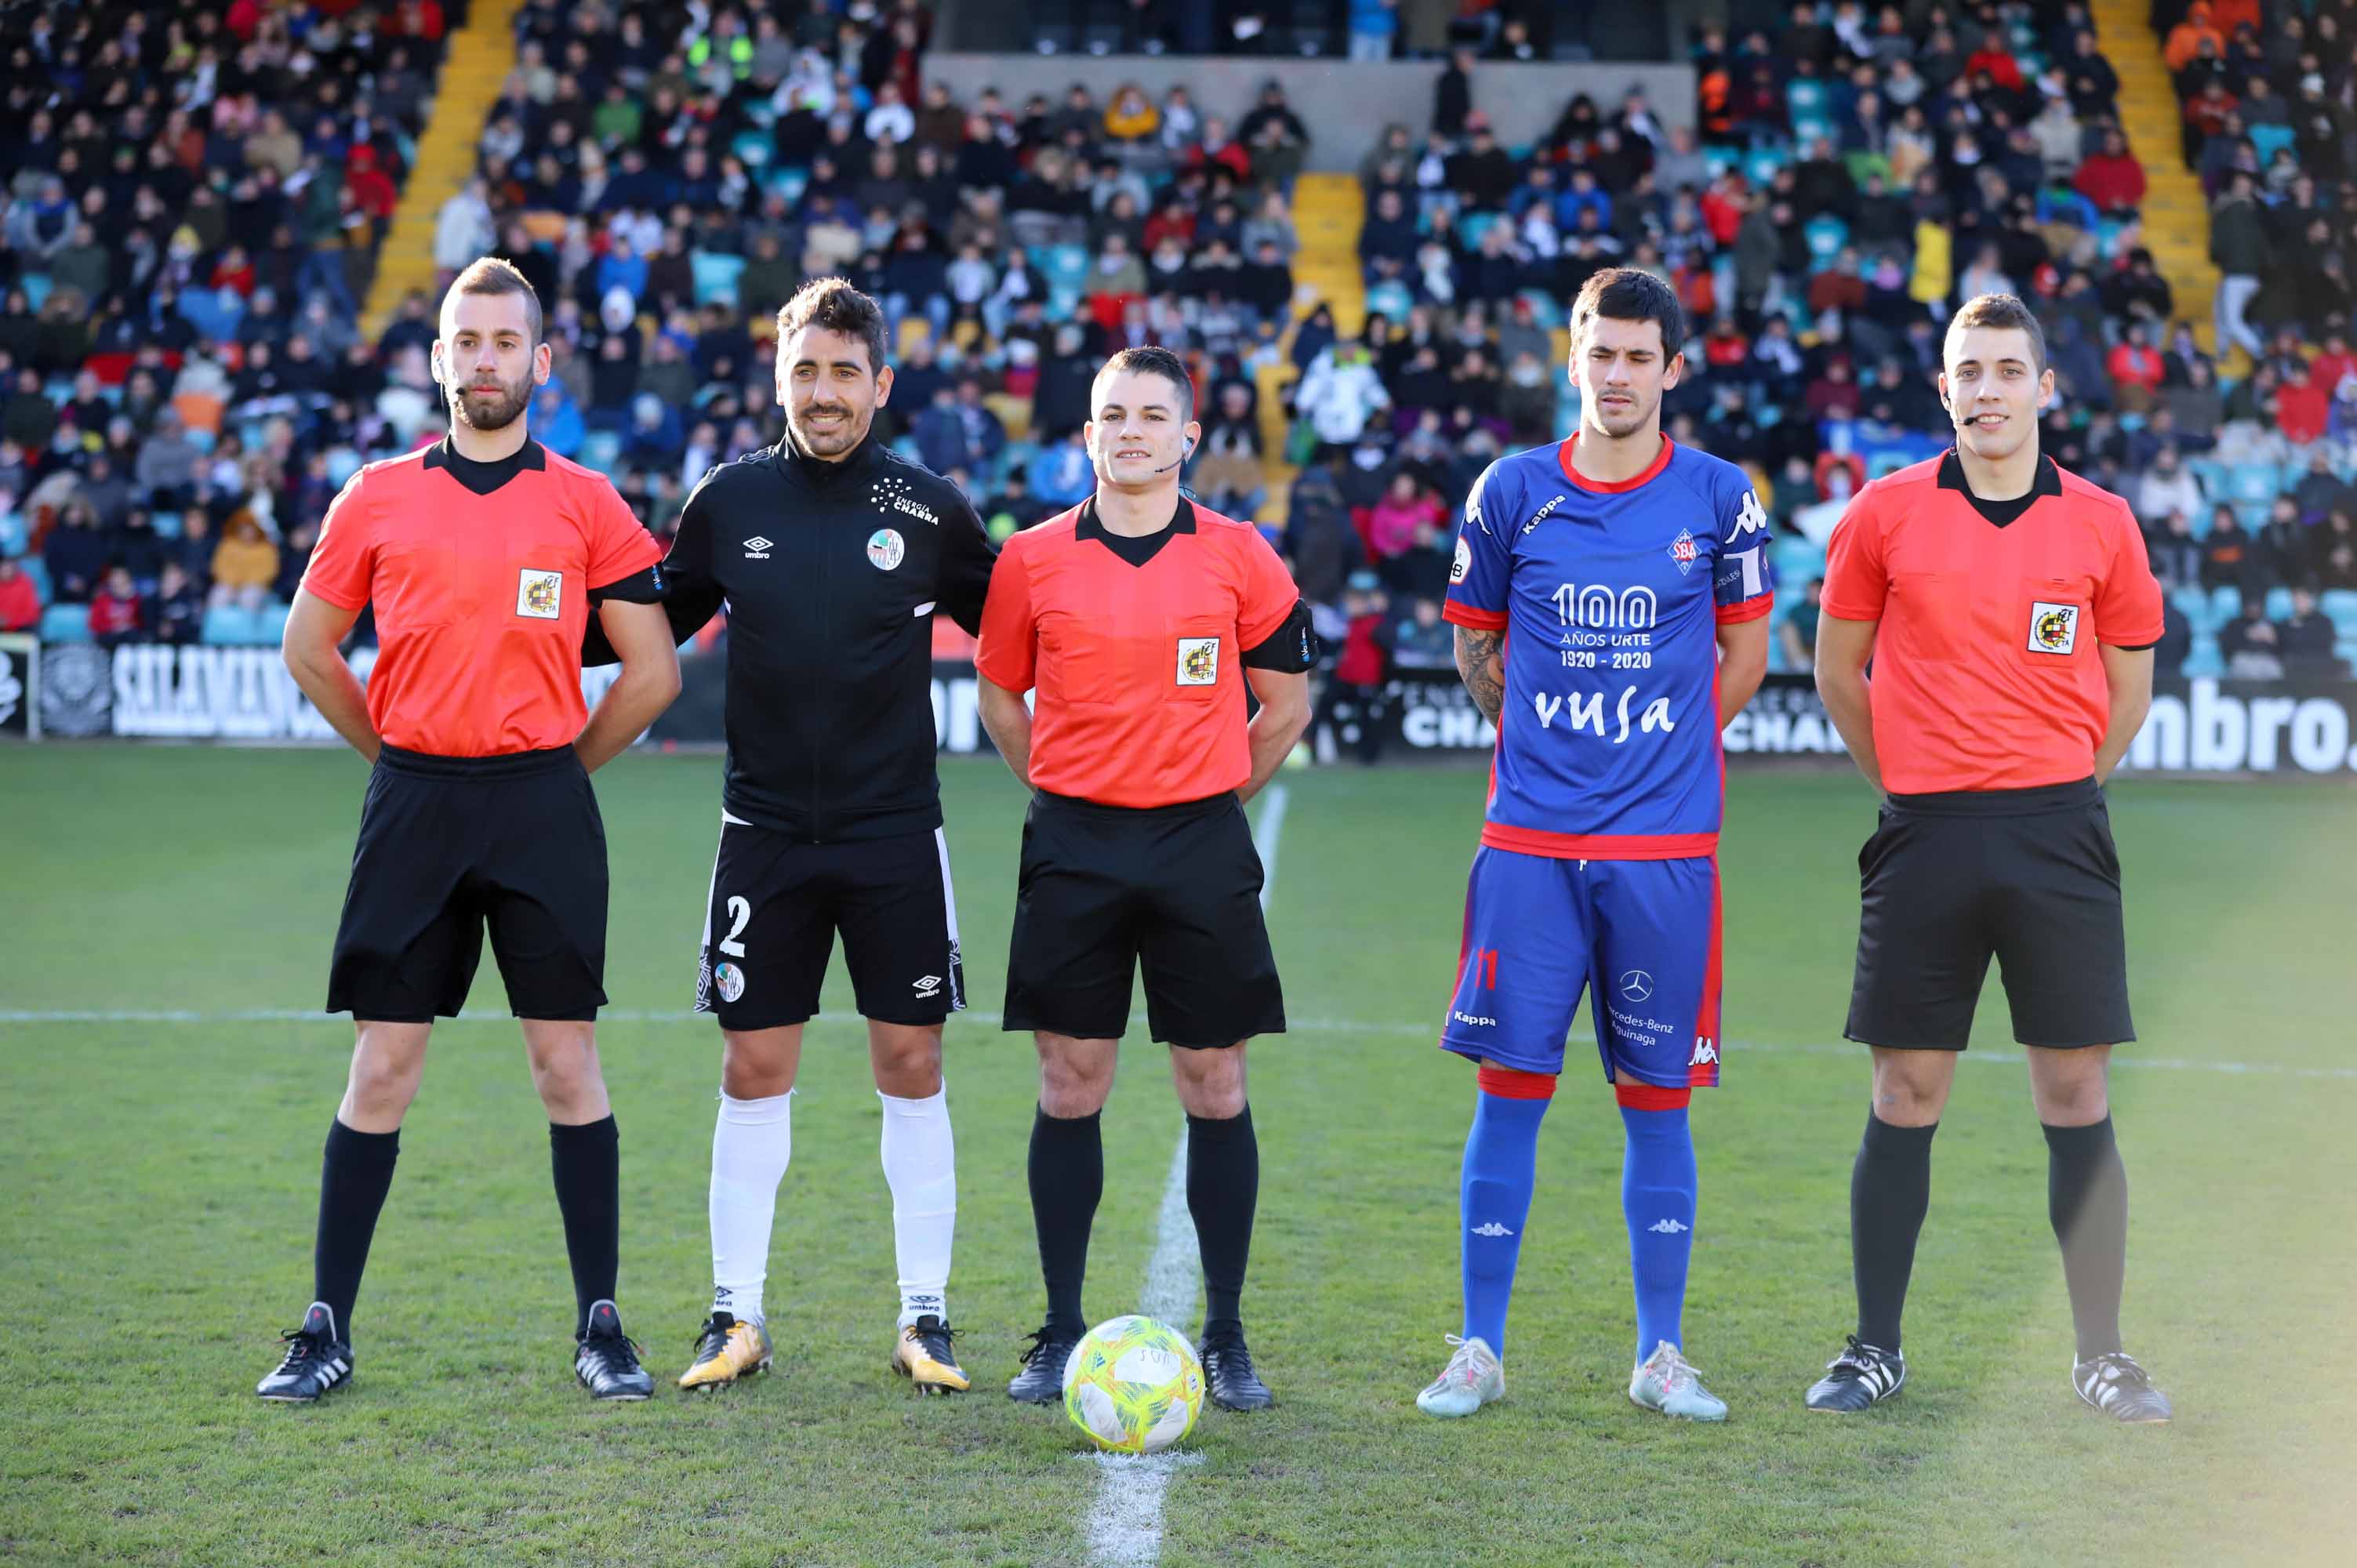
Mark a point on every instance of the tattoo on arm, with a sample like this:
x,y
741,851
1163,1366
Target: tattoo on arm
x,y
1479,662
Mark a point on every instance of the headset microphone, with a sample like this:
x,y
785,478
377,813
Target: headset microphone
x,y
1182,463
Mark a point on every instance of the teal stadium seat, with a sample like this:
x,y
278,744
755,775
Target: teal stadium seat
x,y
1825,235
36,568
2339,608
601,450
273,624
1390,298
789,182
167,524
2278,603
1797,560
2269,140
716,275
1546,308
37,290
2225,604
65,623
2251,482
227,626
14,534
753,149
2204,659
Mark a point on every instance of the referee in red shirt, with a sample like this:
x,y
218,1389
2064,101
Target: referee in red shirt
x,y
1138,618
483,555
2010,616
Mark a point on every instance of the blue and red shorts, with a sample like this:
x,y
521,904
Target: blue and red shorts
x,y
1643,934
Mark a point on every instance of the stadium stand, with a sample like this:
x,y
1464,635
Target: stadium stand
x,y
209,321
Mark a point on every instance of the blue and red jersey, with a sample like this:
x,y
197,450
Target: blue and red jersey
x,y
1610,596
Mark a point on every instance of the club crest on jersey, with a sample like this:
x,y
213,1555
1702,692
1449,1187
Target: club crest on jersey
x,y
885,549
539,595
1199,660
2053,628
1682,552
1463,562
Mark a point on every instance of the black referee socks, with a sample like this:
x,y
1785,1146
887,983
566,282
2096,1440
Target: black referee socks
x,y
355,1173
1067,1171
1223,1190
1889,1190
2087,1200
587,1161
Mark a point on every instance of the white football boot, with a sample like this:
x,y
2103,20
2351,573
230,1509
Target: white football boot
x,y
1473,1378
1666,1383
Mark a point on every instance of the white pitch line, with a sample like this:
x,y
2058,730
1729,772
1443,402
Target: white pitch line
x,y
1173,1271
1264,838
1124,1523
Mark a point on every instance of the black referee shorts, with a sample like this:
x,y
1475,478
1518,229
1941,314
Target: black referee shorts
x,y
777,902
448,844
1104,889
2028,876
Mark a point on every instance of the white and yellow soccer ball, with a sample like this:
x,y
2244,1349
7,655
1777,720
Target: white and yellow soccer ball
x,y
1134,1385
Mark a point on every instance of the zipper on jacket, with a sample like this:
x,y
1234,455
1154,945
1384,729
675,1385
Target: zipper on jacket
x,y
818,531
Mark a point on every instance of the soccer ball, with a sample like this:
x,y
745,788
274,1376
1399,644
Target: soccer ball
x,y
1134,1385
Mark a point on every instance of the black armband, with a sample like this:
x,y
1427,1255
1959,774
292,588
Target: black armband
x,y
639,588
1290,649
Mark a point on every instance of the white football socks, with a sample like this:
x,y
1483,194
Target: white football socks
x,y
921,1166
752,1143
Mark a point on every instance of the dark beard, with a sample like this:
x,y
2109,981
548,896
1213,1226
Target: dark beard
x,y
499,415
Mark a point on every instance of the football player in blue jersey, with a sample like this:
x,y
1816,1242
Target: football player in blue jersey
x,y
1611,598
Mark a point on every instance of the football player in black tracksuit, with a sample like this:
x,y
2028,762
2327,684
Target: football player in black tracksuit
x,y
832,553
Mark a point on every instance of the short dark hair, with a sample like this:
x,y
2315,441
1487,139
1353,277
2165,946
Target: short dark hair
x,y
1630,293
830,305
497,275
1999,310
1153,360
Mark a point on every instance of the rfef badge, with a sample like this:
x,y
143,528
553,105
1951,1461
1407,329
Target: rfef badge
x,y
539,595
2053,628
1198,661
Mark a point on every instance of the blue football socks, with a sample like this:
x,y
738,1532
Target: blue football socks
x,y
1501,1156
1657,1195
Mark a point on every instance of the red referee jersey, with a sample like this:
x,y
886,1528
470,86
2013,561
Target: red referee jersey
x,y
481,597
1135,648
1985,673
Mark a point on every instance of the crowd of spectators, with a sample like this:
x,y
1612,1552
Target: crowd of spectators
x,y
1364,30
667,172
192,206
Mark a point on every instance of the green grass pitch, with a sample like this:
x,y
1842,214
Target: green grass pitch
x,y
160,1178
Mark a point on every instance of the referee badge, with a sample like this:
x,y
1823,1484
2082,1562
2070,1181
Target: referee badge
x,y
2053,628
1198,661
539,595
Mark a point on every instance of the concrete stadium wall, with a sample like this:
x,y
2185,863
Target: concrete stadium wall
x,y
1346,106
